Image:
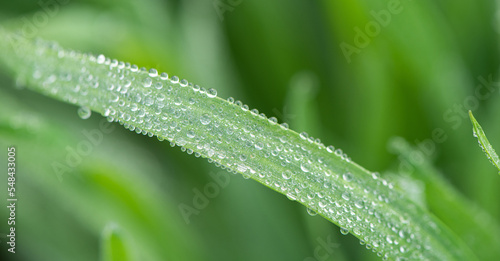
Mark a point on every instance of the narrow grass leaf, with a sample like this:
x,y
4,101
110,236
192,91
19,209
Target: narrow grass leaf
x,y
484,143
229,134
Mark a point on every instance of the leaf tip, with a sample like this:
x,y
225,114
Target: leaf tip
x,y
483,142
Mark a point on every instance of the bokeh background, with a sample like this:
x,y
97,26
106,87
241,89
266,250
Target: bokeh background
x,y
417,72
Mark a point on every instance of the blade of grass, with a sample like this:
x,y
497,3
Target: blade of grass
x,y
484,143
240,140
113,245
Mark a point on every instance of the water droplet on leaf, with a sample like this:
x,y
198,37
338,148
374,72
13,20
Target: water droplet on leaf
x,y
84,112
311,212
211,93
205,119
101,59
344,231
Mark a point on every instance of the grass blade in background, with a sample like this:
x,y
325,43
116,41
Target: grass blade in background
x,y
475,226
113,245
484,143
238,139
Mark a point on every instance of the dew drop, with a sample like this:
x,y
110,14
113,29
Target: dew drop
x,y
304,167
356,231
211,93
330,149
303,135
184,83
101,59
106,112
205,119
311,212
148,101
344,231
153,73
291,196
259,145
190,134
158,85
287,174
359,204
147,82
84,112
161,97
347,176
346,195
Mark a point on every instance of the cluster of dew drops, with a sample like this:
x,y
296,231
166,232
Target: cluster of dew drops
x,y
237,139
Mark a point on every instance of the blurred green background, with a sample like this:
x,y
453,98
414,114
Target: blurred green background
x,y
411,67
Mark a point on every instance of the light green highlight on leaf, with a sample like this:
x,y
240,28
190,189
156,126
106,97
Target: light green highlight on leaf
x,y
484,143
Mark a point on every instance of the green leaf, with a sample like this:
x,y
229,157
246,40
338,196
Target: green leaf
x,y
233,137
484,143
113,246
